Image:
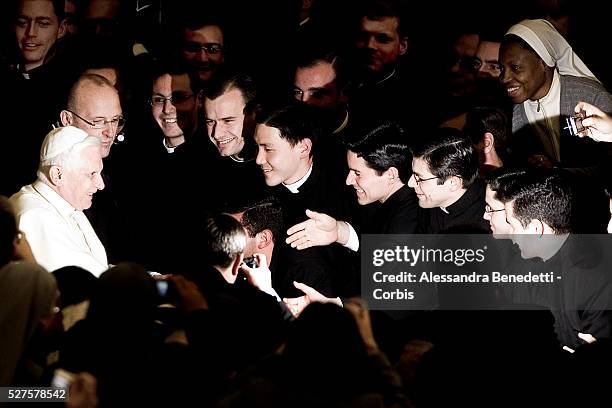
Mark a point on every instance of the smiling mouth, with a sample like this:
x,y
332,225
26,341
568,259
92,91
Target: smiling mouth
x,y
513,90
224,142
169,121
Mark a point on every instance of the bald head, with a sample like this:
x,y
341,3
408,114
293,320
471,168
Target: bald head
x,y
94,99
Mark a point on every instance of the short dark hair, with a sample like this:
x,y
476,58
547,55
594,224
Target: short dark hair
x,y
312,56
378,9
384,147
193,15
261,215
544,195
448,152
58,8
296,121
502,178
225,239
482,119
226,80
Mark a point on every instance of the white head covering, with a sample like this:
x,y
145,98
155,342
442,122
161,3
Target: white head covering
x,y
63,139
550,45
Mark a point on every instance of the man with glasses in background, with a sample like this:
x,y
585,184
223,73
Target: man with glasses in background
x,y
201,41
94,106
174,105
445,180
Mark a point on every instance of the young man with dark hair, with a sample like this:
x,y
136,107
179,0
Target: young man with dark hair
x,y
539,209
263,222
445,175
202,40
319,81
287,137
487,127
378,171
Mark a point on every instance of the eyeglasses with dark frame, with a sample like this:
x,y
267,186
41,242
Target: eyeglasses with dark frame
x,y
210,48
176,98
116,123
488,209
419,180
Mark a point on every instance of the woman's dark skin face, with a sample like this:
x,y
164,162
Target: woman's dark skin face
x,y
524,74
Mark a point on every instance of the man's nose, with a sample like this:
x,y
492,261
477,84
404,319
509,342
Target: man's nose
x,y
261,157
32,31
350,178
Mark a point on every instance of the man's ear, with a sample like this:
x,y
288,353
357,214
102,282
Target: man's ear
x,y
264,239
66,118
489,142
305,148
455,183
536,227
62,29
236,264
403,45
55,175
391,174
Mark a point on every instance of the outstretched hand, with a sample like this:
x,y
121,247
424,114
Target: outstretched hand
x,y
320,229
297,305
597,124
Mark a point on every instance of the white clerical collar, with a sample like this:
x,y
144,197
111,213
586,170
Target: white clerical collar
x,y
294,187
304,21
169,149
386,78
343,124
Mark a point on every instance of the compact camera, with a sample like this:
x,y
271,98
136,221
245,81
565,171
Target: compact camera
x,y
574,123
166,290
250,262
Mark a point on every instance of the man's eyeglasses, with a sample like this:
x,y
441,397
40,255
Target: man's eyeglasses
x,y
176,98
210,48
419,180
116,123
488,209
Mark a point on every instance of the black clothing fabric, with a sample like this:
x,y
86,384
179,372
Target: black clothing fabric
x,y
311,266
464,216
581,300
397,215
37,97
239,312
323,192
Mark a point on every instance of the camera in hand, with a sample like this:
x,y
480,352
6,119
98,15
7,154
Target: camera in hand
x,y
250,261
166,290
574,123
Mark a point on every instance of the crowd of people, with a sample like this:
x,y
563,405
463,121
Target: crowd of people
x,y
185,194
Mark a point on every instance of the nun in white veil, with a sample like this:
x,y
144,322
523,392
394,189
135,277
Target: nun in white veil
x,y
552,47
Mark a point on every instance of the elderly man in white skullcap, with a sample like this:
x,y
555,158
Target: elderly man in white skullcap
x,y
50,210
545,79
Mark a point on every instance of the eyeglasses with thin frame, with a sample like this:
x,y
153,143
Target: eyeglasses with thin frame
x,y
116,123
488,209
419,180
210,48
176,98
